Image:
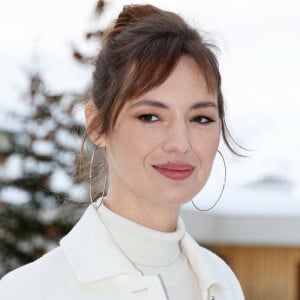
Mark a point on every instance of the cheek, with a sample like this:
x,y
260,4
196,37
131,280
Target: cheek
x,y
208,141
136,138
128,146
214,144
133,142
206,147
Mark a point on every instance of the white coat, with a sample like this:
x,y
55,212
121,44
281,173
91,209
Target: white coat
x,y
89,266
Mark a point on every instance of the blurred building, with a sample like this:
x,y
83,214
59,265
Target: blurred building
x,y
260,242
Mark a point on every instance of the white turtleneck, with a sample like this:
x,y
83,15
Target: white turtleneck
x,y
154,253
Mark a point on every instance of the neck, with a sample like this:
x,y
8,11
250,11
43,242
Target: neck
x,y
162,218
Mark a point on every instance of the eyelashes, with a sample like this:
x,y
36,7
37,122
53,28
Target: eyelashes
x,y
148,118
152,118
203,120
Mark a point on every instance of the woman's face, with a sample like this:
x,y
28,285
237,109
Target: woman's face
x,y
162,147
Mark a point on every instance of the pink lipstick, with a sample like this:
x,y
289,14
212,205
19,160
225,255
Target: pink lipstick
x,y
175,171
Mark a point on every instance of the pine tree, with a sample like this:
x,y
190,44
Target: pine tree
x,y
42,152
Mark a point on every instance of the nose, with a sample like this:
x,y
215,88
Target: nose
x,y
177,139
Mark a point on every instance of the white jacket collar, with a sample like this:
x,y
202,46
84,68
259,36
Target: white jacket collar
x,y
93,255
91,252
208,267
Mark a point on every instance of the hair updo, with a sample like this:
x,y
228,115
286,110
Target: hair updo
x,y
139,53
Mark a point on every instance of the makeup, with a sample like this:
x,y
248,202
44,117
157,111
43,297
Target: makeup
x,y
175,171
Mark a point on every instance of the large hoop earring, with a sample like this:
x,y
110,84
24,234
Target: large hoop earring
x,y
90,183
222,190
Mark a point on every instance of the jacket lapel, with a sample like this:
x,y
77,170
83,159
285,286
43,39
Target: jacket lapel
x,y
91,252
211,271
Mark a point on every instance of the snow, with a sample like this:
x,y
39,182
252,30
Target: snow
x,y
14,195
42,147
11,169
60,181
64,137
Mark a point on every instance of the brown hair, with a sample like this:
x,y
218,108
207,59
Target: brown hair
x,y
139,53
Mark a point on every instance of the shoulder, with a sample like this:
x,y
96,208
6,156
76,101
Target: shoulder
x,y
34,280
212,268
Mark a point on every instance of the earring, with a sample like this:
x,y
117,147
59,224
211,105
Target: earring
x,y
222,190
90,183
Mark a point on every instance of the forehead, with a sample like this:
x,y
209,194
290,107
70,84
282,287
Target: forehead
x,y
185,82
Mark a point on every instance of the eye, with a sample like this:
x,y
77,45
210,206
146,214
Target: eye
x,y
202,120
148,118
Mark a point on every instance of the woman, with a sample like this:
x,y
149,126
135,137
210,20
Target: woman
x,y
156,111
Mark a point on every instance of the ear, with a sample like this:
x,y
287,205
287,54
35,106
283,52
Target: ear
x,y
91,114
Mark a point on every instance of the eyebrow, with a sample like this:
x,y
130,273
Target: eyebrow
x,y
158,104
204,104
148,102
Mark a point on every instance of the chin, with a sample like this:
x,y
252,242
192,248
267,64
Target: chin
x,y
179,199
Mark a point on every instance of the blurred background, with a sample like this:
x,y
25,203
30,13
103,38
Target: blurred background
x,y
46,53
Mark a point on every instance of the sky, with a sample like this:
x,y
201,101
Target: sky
x,y
259,44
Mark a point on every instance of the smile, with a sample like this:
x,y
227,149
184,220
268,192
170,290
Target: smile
x,y
175,171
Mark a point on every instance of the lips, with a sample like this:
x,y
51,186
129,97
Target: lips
x,y
175,171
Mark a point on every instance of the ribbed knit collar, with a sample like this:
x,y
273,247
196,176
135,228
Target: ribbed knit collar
x,y
142,245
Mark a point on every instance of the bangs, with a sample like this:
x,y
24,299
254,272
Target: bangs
x,y
151,65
